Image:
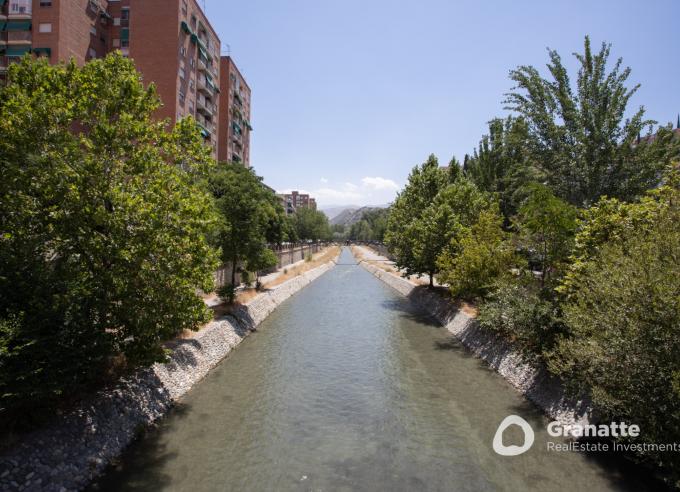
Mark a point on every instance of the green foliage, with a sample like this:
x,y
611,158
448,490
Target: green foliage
x,y
404,223
371,227
227,293
250,215
525,313
546,227
103,227
502,164
611,220
312,224
623,342
579,135
477,257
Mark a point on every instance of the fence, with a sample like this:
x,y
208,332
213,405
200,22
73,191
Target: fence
x,y
286,254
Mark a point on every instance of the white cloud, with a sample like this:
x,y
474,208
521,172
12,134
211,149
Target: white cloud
x,y
333,196
323,180
378,183
351,186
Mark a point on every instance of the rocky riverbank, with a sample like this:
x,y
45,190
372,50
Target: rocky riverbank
x,y
532,380
69,452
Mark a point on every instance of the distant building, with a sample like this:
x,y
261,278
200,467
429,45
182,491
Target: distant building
x,y
294,200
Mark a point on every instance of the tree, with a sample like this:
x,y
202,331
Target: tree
x,y
477,256
579,135
546,226
402,235
312,224
264,259
248,215
371,226
502,164
103,236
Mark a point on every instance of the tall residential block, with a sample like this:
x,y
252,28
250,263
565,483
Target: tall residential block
x,y
171,42
234,113
295,200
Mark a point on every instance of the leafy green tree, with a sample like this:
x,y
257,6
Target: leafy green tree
x,y
579,135
249,218
403,229
546,226
502,163
264,259
371,227
104,227
477,257
312,224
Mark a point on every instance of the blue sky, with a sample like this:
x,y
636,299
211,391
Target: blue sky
x,y
349,95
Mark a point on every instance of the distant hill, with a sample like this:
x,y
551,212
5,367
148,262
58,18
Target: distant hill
x,y
332,212
351,216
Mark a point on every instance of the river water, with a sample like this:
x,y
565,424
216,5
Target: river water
x,y
346,386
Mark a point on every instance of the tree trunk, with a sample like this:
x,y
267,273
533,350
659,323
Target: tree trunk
x,y
431,280
233,272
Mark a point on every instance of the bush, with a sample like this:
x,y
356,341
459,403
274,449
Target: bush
x,y
246,278
525,313
624,332
227,293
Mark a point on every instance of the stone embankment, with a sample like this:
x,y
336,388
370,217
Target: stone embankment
x,y
69,452
531,379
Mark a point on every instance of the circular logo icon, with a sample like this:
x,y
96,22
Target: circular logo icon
x,y
513,450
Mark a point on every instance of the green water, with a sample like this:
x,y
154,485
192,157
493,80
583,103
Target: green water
x,y
347,387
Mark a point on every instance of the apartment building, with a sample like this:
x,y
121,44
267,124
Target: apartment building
x,y
171,42
234,113
294,200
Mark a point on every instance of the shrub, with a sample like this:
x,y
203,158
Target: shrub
x,y
525,313
624,332
227,293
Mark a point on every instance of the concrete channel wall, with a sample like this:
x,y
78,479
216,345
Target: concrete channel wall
x,y
68,453
532,380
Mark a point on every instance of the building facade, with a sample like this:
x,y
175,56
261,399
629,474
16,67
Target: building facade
x,y
293,201
171,42
234,114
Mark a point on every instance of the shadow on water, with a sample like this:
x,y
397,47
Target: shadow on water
x,y
410,312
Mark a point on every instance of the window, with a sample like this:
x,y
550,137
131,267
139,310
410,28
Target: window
x,y
191,85
45,3
184,8
192,62
125,14
46,27
181,98
116,21
182,51
182,73
124,43
92,53
116,43
93,30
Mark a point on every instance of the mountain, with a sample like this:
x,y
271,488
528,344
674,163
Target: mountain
x,y
351,216
332,212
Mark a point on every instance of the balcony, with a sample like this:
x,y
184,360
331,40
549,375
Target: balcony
x,y
205,86
19,37
20,8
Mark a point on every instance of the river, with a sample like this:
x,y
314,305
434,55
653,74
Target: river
x,y
347,386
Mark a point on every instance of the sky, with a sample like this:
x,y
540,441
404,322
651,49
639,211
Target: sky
x,y
348,96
